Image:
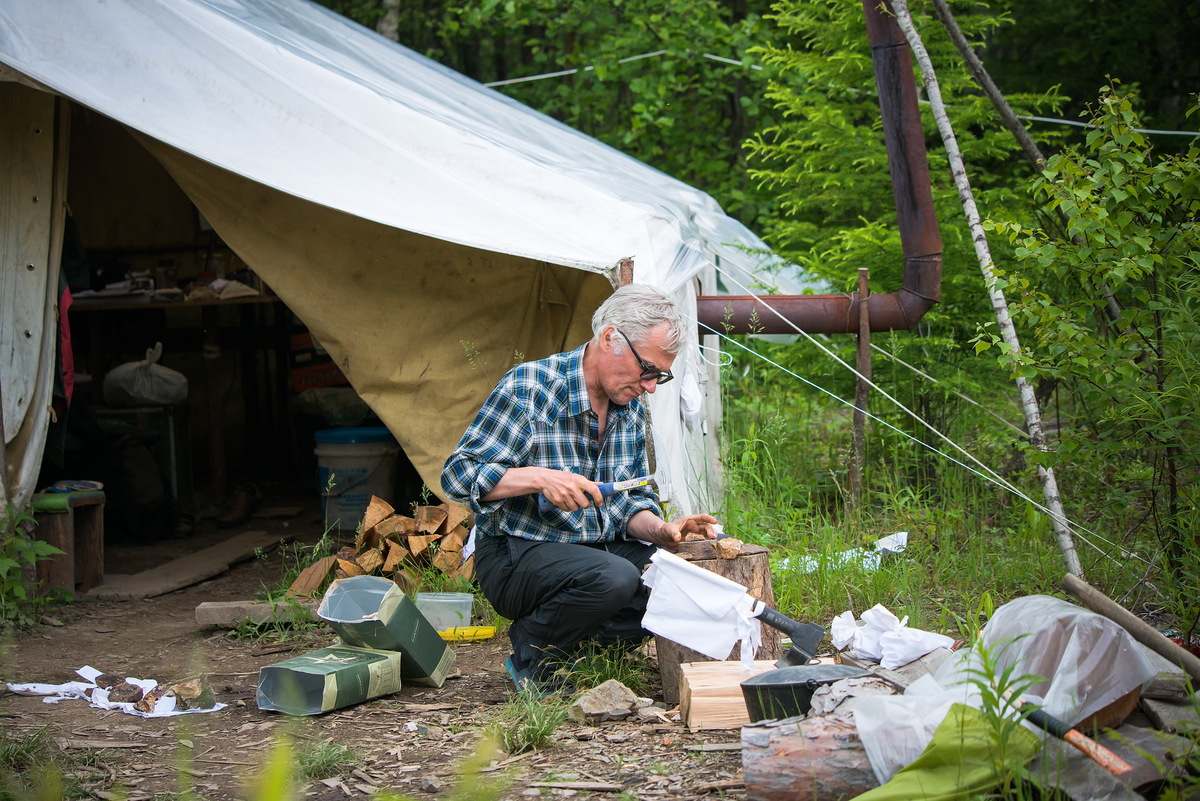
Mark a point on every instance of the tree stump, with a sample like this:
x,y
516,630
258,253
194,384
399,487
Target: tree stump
x,y
805,758
751,569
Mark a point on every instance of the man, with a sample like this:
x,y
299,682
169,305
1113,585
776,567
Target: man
x,y
557,428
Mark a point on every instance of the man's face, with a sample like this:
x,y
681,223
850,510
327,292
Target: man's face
x,y
621,374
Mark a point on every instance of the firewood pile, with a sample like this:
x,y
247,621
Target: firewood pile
x,y
390,544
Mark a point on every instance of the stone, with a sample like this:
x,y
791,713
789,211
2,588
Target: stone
x,y
612,700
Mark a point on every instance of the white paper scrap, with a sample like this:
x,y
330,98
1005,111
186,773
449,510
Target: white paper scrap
x,y
98,696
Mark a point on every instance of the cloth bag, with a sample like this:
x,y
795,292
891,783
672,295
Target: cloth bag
x,y
145,383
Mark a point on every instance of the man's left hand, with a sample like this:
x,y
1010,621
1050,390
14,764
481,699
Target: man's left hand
x,y
670,533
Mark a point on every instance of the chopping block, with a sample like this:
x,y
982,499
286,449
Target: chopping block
x,y
751,568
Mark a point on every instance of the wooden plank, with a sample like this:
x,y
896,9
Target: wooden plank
x,y
186,570
710,694
227,614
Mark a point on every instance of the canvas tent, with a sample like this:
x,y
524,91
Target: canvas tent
x,y
397,207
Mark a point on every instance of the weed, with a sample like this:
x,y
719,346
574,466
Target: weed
x,y
527,722
592,665
18,553
33,766
322,759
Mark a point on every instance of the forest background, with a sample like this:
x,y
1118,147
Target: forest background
x,y
772,109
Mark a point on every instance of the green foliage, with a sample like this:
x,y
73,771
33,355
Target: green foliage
x,y
528,721
33,766
322,759
592,665
1130,382
18,553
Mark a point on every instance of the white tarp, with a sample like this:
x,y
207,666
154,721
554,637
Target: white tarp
x,y
249,102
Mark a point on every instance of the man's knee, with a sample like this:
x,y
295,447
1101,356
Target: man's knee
x,y
616,581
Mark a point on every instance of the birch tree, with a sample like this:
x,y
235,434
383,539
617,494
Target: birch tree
x,y
1008,333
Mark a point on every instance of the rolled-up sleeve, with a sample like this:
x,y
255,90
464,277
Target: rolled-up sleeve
x,y
492,444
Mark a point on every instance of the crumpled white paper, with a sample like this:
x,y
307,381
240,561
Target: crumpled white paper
x,y
98,696
699,609
869,559
884,638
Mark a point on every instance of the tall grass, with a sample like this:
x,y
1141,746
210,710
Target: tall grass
x,y
784,451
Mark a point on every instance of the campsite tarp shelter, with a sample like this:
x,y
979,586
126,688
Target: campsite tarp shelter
x,y
397,207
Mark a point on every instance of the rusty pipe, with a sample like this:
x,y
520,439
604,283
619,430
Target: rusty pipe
x,y
920,240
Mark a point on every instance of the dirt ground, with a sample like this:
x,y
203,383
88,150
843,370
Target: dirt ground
x,y
412,742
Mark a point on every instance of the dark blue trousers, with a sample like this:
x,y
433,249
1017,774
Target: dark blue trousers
x,y
559,594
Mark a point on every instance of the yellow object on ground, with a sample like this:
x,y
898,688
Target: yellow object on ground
x,y
467,633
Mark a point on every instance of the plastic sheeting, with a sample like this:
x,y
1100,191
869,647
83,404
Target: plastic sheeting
x,y
298,98
333,160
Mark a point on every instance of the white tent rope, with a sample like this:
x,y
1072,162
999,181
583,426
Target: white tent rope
x,y
988,474
955,392
737,63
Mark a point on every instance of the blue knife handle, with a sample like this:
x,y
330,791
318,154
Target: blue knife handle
x,y
606,489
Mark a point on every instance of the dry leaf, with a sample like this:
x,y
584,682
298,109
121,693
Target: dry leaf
x,y
429,518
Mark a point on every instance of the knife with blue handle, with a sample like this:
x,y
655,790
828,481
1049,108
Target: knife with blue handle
x,y
606,489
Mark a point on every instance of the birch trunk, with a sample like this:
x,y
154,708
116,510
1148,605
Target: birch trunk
x,y
1033,417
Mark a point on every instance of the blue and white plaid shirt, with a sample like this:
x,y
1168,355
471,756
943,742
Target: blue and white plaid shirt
x,y
539,415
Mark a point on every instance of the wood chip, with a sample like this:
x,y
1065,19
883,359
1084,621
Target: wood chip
x,y
728,548
430,518
599,787
396,554
100,744
378,510
456,513
370,560
350,567
396,526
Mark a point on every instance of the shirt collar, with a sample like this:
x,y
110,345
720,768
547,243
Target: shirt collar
x,y
577,395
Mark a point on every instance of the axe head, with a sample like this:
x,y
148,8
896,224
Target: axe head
x,y
806,639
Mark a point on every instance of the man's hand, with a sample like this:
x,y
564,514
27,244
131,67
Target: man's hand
x,y
649,527
570,492
567,491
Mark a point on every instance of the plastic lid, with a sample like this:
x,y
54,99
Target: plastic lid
x,y
349,436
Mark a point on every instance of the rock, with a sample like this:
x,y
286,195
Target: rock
x,y
653,713
430,784
193,694
642,703
612,700
47,620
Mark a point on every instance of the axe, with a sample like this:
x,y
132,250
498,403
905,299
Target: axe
x,y
805,637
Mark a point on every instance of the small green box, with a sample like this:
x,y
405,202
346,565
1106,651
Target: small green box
x,y
330,678
373,612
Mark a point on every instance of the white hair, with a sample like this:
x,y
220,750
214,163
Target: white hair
x,y
636,309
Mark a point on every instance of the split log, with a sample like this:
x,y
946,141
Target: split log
x,y
430,518
312,577
814,759
710,694
753,571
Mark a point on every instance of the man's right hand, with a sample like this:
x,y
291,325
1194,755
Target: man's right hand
x,y
568,491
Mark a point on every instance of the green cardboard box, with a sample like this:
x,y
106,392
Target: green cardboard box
x,y
330,678
373,612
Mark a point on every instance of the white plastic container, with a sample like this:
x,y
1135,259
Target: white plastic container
x,y
352,465
445,610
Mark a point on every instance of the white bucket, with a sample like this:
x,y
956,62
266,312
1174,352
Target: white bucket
x,y
352,465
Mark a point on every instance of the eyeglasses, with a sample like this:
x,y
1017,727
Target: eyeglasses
x,y
649,371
